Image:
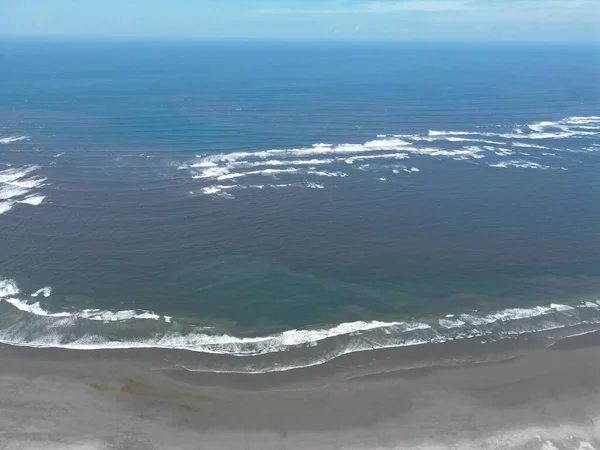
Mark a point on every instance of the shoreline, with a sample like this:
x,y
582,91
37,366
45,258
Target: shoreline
x,y
220,351
500,395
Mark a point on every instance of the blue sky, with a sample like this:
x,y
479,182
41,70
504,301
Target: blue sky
x,y
471,20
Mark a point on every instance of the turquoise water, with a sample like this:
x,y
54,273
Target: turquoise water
x,y
293,202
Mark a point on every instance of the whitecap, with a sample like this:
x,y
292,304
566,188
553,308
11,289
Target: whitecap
x,y
525,145
45,291
8,288
33,308
5,207
33,200
11,139
17,185
455,133
324,173
353,159
8,192
323,159
521,164
9,292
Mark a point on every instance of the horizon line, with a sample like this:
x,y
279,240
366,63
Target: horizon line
x,y
349,39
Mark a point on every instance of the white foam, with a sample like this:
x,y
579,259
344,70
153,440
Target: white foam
x,y
17,185
323,159
455,133
325,173
359,336
89,314
279,162
33,308
10,139
45,291
551,135
29,183
353,159
524,145
451,323
459,139
33,200
8,192
392,334
570,127
520,164
468,152
513,314
455,136
281,341
316,149
117,316
6,206
9,292
200,164
211,190
541,126
212,172
13,174
583,120
220,190
503,152
265,172
8,288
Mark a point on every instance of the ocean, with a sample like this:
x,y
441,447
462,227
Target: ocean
x,y
278,205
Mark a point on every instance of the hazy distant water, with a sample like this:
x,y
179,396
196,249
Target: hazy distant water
x,y
245,189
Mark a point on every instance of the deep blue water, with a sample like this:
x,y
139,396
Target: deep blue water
x,y
246,189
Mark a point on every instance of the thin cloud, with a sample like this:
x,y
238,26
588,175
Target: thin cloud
x,y
374,7
429,6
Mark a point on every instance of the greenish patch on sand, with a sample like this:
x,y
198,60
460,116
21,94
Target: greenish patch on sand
x,y
100,387
136,388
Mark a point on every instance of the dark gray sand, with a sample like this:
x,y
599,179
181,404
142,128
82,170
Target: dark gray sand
x,y
521,394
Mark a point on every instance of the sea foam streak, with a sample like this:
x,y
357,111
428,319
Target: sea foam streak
x,y
222,173
36,326
11,139
520,164
18,185
9,292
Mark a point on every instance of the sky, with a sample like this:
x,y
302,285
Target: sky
x,y
406,20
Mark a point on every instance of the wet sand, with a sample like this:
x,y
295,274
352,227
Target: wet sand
x,y
514,394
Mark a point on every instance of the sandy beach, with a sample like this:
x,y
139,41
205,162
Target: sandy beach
x,y
521,394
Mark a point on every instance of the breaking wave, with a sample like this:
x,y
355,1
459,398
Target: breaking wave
x,y
26,322
222,174
19,185
11,139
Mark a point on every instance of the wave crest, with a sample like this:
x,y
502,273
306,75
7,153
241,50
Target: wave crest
x,y
303,166
30,324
